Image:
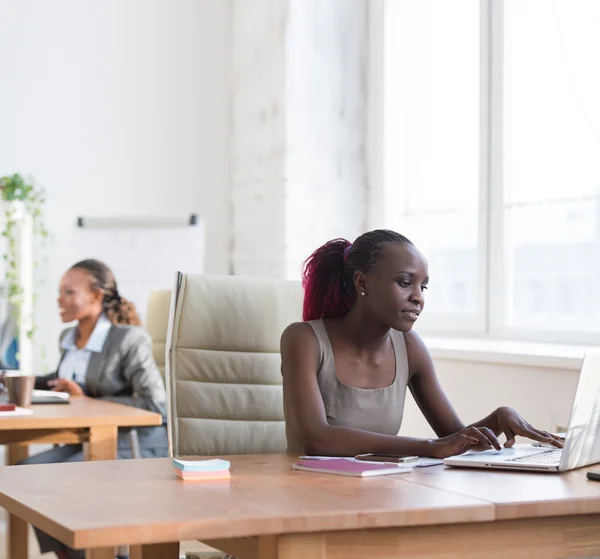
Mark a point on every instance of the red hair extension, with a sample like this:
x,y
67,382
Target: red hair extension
x,y
325,292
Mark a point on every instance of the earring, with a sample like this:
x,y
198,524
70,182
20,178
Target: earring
x,y
362,293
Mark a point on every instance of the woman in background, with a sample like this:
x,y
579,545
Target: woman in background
x,y
106,355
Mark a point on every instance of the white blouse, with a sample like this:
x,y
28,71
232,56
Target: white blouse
x,y
75,361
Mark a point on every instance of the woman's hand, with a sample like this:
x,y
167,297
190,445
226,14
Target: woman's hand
x,y
66,385
508,421
470,438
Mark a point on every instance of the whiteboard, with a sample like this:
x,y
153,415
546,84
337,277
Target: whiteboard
x,y
143,258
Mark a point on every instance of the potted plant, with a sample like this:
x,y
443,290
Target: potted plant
x,y
22,204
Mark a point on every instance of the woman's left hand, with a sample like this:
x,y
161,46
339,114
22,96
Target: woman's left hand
x,y
66,385
508,421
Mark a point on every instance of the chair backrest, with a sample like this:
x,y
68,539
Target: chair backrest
x,y
223,364
157,324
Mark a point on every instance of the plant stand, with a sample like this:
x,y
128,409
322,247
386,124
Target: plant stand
x,y
19,258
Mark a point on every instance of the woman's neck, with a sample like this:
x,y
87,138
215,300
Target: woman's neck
x,y
362,331
85,328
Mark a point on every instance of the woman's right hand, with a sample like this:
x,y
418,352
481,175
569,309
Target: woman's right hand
x,y
470,438
66,385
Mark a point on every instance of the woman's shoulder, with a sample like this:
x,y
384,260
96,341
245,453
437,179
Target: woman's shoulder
x,y
130,334
298,330
413,341
300,348
299,335
416,351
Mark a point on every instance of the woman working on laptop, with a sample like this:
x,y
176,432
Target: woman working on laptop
x,y
107,356
347,367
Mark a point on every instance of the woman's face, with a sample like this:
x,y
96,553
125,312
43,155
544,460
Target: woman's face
x,y
396,285
76,299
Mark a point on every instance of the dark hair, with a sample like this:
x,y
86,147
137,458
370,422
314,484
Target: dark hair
x,y
328,274
117,309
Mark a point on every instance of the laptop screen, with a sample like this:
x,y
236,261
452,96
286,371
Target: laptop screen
x,y
582,443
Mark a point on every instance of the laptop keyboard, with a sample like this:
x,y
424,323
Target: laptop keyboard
x,y
546,457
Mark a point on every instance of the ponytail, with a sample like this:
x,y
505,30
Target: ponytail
x,y
328,275
326,293
119,310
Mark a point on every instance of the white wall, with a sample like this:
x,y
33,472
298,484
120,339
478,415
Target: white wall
x,y
326,102
299,123
258,120
542,395
118,108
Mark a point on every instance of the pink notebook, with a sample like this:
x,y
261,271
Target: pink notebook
x,y
345,467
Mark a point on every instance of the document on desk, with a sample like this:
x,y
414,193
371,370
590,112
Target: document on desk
x,y
356,468
422,462
16,413
425,462
50,393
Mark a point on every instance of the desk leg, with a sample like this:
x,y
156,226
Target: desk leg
x,y
155,551
302,546
103,443
101,446
18,530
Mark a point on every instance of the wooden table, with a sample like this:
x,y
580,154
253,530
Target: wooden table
x,y
267,511
83,420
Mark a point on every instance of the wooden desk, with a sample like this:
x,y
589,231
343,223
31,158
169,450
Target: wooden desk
x,y
519,494
267,511
83,420
538,515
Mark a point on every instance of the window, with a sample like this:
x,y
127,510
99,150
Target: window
x,y
551,161
431,144
491,166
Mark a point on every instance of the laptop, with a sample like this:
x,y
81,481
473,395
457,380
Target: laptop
x,y
582,440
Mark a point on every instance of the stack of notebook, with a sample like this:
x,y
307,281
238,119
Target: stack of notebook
x,y
199,470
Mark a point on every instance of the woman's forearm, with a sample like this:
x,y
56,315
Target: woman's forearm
x,y
344,441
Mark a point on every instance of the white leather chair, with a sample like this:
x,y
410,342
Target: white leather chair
x,y
223,367
157,323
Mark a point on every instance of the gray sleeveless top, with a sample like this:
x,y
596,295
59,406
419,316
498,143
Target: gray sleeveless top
x,y
378,410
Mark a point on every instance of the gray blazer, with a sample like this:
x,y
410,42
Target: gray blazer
x,y
125,371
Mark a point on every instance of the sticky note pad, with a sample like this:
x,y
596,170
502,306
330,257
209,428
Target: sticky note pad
x,y
213,465
203,476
